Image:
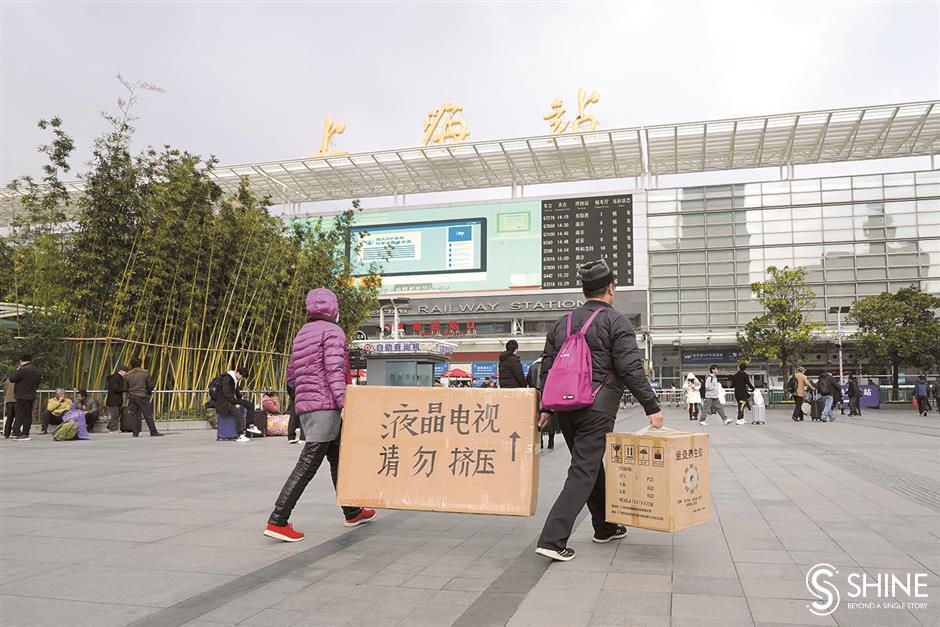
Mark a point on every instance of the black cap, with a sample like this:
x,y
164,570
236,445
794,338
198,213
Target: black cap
x,y
595,275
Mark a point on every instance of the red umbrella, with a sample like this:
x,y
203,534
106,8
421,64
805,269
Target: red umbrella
x,y
456,373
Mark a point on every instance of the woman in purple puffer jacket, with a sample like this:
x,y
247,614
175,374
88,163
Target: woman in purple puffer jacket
x,y
317,370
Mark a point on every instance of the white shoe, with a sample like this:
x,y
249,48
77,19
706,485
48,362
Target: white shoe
x,y
728,421
740,421
253,429
294,441
702,423
564,555
242,438
22,438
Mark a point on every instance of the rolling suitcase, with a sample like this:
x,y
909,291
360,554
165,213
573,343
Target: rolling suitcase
x,y
225,428
817,406
126,425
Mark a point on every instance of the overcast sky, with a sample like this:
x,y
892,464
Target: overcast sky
x,y
253,81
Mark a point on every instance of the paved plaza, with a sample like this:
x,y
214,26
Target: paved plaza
x,y
120,531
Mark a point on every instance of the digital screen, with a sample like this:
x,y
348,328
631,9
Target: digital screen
x,y
417,248
578,230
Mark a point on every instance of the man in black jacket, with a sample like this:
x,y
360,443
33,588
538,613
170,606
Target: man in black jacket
x,y
229,401
115,398
855,396
742,390
26,381
510,368
616,363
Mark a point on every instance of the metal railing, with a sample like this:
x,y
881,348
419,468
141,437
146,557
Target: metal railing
x,y
168,405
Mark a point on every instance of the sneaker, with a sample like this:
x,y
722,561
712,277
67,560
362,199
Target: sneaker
x,y
728,421
286,533
242,438
21,438
702,423
740,421
294,441
364,516
564,555
156,434
253,429
621,532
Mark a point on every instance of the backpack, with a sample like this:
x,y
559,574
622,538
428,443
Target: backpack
x,y
568,386
791,385
823,387
215,389
68,430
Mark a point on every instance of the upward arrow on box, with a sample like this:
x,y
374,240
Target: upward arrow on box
x,y
514,437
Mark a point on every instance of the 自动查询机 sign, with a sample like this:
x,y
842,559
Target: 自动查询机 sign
x,y
441,449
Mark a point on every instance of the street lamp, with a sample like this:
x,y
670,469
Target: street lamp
x,y
839,310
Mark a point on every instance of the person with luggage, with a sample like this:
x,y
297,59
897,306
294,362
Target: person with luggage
x,y
25,380
533,381
55,409
693,395
714,398
800,386
247,407
825,389
760,410
139,386
115,398
855,396
227,406
616,362
318,369
922,394
742,391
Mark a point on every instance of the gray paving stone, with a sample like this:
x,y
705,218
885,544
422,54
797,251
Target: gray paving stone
x,y
719,586
623,604
25,610
710,607
634,582
786,611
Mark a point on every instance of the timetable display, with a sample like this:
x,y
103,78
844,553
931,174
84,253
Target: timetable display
x,y
578,230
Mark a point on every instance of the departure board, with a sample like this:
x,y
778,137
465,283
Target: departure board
x,y
578,230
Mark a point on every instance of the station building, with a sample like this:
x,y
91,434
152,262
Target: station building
x,y
688,214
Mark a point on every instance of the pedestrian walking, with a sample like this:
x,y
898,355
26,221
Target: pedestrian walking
x,y
825,388
114,399
616,363
855,396
9,407
742,391
25,380
922,393
693,395
936,394
318,369
714,398
139,386
799,386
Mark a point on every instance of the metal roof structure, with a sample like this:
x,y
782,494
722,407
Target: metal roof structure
x,y
878,132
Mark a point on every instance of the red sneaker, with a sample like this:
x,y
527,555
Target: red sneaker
x,y
286,533
364,516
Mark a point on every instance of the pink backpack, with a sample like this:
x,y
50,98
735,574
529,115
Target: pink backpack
x,y
568,386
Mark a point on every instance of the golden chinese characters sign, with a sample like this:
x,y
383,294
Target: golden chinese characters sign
x,y
329,131
584,122
453,130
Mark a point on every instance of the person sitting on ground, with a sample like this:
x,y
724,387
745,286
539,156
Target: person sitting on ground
x,y
89,407
228,402
55,408
270,404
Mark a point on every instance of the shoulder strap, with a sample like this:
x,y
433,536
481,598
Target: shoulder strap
x,y
587,324
568,325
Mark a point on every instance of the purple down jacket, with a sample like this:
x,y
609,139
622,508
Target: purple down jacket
x,y
318,359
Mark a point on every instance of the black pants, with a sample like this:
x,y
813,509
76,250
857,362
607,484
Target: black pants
x,y
923,404
798,407
140,406
48,418
855,406
24,417
293,424
585,433
311,456
9,417
743,403
549,429
114,424
91,419
248,416
693,411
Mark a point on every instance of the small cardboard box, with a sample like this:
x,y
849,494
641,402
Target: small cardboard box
x,y
658,479
440,449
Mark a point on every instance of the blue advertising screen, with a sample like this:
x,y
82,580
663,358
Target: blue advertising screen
x,y
418,248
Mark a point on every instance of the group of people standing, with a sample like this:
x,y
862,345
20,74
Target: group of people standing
x,y
700,408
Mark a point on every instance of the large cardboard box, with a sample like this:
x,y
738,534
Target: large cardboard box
x,y
658,479
441,449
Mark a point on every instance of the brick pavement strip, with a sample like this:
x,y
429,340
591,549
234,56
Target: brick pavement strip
x,y
168,531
